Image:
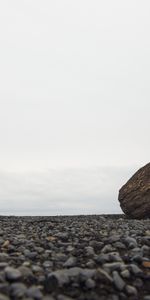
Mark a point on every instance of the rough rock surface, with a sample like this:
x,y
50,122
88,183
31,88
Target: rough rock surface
x,y
134,196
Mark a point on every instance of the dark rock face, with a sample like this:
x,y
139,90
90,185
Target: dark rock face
x,y
134,196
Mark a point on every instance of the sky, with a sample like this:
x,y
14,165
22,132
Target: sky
x,y
74,99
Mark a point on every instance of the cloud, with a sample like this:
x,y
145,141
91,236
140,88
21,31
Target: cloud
x,y
64,191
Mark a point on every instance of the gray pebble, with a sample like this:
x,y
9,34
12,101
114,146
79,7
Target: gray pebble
x,y
12,274
135,269
47,264
34,292
3,297
131,290
118,281
114,266
90,283
63,297
90,251
131,241
18,290
125,273
57,279
107,248
70,262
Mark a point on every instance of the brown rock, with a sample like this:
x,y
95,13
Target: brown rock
x,y
134,196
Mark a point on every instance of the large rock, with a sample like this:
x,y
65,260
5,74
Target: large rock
x,y
134,196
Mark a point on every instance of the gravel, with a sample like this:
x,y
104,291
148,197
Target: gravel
x,y
74,257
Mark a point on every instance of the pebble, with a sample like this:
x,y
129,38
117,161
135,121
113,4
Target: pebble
x,y
135,269
70,262
63,297
90,283
131,290
12,274
118,281
131,242
18,290
74,257
34,292
3,297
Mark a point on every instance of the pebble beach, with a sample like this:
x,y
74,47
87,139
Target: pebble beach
x,y
74,257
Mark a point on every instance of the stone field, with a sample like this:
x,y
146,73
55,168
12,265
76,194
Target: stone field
x,y
74,257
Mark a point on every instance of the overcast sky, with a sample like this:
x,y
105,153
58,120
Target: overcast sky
x,y
74,85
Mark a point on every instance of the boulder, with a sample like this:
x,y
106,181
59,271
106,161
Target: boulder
x,y
134,196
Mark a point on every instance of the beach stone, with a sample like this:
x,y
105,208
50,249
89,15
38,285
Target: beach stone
x,y
134,196
70,262
131,290
34,292
18,290
125,273
12,274
118,281
90,283
3,297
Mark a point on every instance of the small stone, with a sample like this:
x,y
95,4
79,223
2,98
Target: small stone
x,y
119,245
90,283
131,290
34,292
131,242
147,232
63,297
115,257
25,272
102,258
74,272
3,297
51,238
103,276
90,264
48,297
137,258
47,264
138,283
90,251
37,269
26,264
70,262
87,273
4,257
114,238
12,274
6,244
114,266
18,290
114,297
56,279
118,281
70,248
146,264
135,269
147,297
107,248
3,265
125,273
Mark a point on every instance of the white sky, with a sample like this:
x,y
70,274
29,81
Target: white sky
x,y
74,84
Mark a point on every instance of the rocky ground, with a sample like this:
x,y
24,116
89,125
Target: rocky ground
x,y
74,257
